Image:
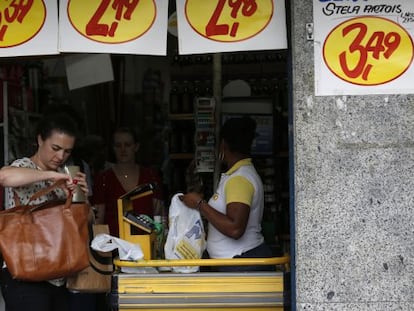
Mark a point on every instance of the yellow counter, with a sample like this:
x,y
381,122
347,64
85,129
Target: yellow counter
x,y
201,291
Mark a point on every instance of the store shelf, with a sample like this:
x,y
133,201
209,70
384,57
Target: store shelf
x,y
181,116
265,73
181,156
18,121
282,154
285,195
24,113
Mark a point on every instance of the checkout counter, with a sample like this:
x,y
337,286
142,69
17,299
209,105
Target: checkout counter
x,y
161,290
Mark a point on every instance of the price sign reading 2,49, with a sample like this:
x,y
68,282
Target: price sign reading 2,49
x,y
368,50
112,21
228,20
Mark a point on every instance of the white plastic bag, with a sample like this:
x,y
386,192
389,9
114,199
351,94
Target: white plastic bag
x,y
186,237
127,251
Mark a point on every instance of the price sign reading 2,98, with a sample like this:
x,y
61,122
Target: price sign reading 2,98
x,y
112,21
368,51
20,21
228,20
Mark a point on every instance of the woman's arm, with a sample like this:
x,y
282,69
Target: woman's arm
x,y
233,224
11,176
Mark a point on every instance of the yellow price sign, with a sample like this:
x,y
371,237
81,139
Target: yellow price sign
x,y
368,50
20,21
112,21
228,20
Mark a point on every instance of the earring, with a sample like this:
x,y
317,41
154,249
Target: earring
x,y
221,156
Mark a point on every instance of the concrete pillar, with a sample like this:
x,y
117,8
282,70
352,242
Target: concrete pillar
x,y
354,191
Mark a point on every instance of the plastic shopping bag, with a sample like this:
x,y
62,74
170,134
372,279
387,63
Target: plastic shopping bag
x,y
127,251
186,235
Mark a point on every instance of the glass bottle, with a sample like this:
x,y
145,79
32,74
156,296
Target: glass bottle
x,y
174,98
187,98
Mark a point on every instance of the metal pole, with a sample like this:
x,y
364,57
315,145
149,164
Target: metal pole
x,y
217,93
5,123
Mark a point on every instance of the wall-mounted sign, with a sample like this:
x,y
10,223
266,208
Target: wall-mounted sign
x,y
111,26
363,47
231,25
28,28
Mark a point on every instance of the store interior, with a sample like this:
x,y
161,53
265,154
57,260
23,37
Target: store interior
x,y
172,102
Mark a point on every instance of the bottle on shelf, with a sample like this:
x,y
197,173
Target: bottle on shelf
x,y
175,100
175,141
186,98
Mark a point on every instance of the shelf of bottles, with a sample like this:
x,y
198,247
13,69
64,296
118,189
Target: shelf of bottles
x,y
205,135
20,101
266,73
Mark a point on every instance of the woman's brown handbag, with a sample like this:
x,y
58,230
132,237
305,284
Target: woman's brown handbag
x,y
97,277
46,241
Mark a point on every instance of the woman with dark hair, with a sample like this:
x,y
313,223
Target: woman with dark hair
x,y
122,177
234,212
56,135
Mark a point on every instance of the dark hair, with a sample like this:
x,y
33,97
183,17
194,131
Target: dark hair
x,y
126,130
69,110
59,122
239,134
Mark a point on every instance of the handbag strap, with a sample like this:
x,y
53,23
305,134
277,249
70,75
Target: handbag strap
x,y
48,189
97,261
16,198
38,194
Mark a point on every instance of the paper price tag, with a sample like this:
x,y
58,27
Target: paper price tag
x,y
112,21
20,21
368,50
228,20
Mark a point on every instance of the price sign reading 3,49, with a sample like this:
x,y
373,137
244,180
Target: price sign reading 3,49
x,y
112,21
368,50
228,20
20,21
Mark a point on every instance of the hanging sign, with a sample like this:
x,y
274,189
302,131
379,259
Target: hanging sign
x,y
363,47
112,26
230,25
28,28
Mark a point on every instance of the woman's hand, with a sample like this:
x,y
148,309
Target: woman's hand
x,y
191,199
56,176
80,180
